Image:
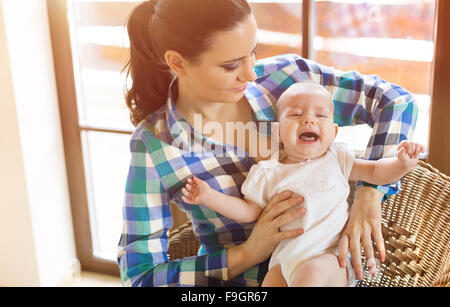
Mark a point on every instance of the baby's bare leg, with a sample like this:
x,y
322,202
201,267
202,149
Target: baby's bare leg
x,y
320,271
274,278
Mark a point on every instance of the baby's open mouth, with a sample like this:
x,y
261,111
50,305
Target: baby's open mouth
x,y
308,137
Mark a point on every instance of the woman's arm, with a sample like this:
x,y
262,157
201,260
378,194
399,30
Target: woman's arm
x,y
142,252
241,210
266,234
363,225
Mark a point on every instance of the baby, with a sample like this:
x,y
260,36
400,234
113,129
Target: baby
x,y
317,169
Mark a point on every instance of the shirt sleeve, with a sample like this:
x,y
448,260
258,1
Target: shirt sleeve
x,y
142,252
358,99
345,157
254,187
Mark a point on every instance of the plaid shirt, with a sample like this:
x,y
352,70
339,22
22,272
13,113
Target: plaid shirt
x,y
166,150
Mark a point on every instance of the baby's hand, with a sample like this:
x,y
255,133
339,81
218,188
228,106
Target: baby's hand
x,y
196,191
408,153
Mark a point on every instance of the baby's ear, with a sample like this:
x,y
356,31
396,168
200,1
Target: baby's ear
x,y
336,129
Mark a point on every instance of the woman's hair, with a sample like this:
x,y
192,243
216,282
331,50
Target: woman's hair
x,y
186,26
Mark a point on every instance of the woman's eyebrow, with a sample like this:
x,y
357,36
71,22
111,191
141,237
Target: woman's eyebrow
x,y
234,60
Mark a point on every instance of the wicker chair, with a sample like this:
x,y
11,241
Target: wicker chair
x,y
415,226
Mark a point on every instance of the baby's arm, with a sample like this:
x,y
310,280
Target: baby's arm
x,y
198,191
388,170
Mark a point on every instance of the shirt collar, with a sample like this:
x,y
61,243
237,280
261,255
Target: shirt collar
x,y
182,132
261,102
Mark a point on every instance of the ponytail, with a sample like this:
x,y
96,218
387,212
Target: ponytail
x,y
150,77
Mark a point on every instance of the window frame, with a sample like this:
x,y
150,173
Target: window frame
x,y
439,146
439,142
71,129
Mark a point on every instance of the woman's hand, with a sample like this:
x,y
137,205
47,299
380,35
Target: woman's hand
x,y
364,223
266,234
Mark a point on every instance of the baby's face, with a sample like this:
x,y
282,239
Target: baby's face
x,y
306,122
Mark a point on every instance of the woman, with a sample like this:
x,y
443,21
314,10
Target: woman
x,y
191,57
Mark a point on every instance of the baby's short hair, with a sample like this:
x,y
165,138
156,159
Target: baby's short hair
x,y
305,84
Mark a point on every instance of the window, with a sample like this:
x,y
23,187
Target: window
x,y
393,39
99,51
279,27
90,47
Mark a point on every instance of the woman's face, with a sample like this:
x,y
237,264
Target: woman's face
x,y
222,73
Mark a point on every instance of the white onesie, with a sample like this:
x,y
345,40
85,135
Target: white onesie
x,y
323,182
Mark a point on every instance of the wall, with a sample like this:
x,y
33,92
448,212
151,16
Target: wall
x,y
16,240
37,241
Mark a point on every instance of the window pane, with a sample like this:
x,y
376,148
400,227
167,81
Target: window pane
x,y
391,39
279,26
100,51
107,159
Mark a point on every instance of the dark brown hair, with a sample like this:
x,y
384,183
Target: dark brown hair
x,y
186,26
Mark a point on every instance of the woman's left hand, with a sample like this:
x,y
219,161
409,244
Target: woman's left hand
x,y
363,225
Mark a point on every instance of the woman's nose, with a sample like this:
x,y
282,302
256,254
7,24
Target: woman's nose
x,y
248,74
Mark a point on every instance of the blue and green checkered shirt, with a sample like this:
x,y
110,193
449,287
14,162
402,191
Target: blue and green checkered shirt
x,y
166,150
